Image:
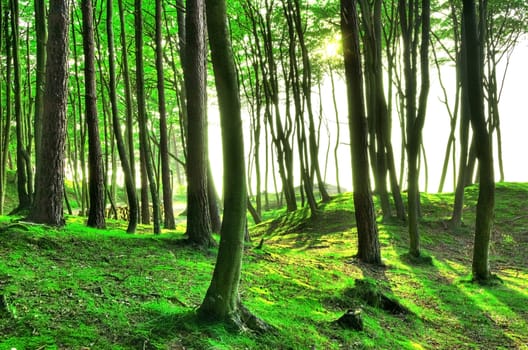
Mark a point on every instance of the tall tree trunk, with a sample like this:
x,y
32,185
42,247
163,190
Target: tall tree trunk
x,y
368,240
214,201
376,102
79,127
390,36
338,127
41,36
280,132
465,117
182,38
294,88
22,157
415,115
4,126
164,142
48,207
96,214
198,216
129,179
142,115
222,301
313,144
128,93
486,198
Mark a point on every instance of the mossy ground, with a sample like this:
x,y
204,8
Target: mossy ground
x,y
78,288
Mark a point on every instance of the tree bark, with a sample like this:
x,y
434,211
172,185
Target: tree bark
x,y
128,93
222,301
142,115
48,207
486,198
96,214
4,130
376,102
22,155
415,115
164,142
198,216
368,240
465,117
129,179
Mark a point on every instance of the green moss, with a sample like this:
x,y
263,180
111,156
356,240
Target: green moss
x,y
79,287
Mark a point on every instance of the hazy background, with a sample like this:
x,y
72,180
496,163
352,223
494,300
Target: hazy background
x,y
514,125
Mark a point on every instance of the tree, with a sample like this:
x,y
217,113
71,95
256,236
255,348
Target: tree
x,y
293,82
486,198
465,119
164,143
412,17
142,119
280,127
198,217
222,301
4,128
129,179
47,208
379,119
24,181
128,92
96,214
41,36
368,240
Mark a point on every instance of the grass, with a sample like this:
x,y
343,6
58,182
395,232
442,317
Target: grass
x,y
79,288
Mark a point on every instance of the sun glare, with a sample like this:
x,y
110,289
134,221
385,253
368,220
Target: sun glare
x,y
331,47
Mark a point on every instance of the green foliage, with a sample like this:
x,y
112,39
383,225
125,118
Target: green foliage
x,y
81,288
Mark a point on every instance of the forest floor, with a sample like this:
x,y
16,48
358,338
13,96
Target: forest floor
x,y
79,288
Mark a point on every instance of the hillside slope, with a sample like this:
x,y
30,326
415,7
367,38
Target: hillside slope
x,y
78,288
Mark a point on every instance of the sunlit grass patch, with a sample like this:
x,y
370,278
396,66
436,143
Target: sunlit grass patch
x,y
79,287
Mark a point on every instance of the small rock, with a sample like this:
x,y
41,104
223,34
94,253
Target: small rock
x,y
352,319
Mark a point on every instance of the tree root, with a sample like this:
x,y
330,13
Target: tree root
x,y
492,280
239,321
252,322
422,260
370,293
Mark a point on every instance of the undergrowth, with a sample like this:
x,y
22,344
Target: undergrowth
x,y
79,288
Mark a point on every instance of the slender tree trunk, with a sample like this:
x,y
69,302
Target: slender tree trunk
x,y
465,116
294,88
280,132
338,128
222,301
376,102
142,115
24,197
415,115
128,93
390,35
96,214
214,206
486,198
164,142
313,144
41,36
4,127
48,207
198,215
129,179
182,38
79,129
368,240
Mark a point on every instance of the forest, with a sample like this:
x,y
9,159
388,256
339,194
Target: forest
x,y
257,174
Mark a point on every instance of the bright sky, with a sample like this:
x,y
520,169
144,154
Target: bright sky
x,y
514,125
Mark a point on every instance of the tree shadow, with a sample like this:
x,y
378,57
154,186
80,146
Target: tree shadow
x,y
441,306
